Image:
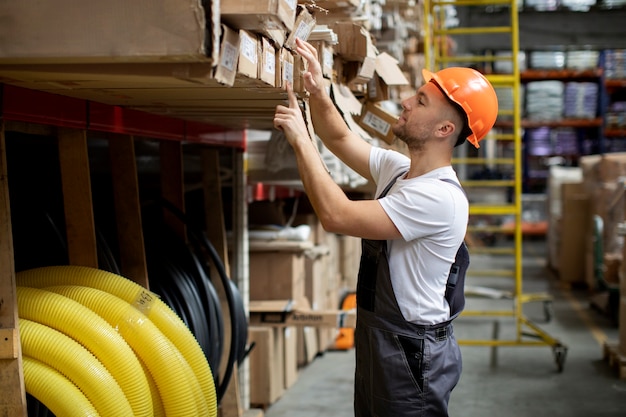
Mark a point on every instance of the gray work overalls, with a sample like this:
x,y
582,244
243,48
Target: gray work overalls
x,y
402,369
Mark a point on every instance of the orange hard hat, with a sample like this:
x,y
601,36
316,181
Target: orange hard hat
x,y
473,93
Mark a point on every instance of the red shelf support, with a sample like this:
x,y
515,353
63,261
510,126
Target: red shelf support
x,y
32,106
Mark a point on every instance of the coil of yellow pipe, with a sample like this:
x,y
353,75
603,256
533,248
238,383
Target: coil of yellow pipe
x,y
96,335
69,357
142,299
55,391
157,403
177,384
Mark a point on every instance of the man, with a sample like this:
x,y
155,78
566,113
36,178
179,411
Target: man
x,y
407,359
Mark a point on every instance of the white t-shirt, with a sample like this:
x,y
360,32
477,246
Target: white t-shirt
x,y
431,216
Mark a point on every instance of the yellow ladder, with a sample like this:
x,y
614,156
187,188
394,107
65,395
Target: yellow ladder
x,y
501,149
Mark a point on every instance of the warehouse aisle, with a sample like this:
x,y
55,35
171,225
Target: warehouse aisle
x,y
506,381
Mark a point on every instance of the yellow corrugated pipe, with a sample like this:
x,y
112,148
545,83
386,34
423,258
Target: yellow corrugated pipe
x,y
69,357
157,403
143,300
55,391
177,384
96,335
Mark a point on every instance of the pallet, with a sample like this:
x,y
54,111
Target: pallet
x,y
615,359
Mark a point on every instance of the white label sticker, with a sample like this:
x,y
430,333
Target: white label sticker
x,y
328,58
248,49
270,62
303,31
288,71
292,4
376,123
229,56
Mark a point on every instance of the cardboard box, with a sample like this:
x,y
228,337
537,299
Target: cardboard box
x,y
302,28
378,122
603,168
574,229
285,68
290,358
259,15
67,31
316,277
299,67
359,72
354,41
276,274
267,70
349,261
249,54
267,371
387,74
226,69
307,345
284,313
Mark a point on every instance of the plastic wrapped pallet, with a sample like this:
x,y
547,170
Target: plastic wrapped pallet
x,y
580,100
544,100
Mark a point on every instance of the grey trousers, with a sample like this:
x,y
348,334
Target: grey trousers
x,y
402,374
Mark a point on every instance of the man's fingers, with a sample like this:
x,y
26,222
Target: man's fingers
x,y
293,100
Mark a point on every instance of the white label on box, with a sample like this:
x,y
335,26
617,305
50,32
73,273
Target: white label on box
x,y
328,58
270,62
292,4
288,71
303,31
376,123
229,56
248,49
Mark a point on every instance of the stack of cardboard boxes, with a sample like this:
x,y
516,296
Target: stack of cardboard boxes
x,y
295,292
589,236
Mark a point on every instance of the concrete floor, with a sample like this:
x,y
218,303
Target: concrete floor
x,y
512,381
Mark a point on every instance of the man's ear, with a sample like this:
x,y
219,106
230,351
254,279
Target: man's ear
x,y
445,129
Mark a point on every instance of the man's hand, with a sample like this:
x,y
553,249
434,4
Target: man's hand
x,y
313,78
290,119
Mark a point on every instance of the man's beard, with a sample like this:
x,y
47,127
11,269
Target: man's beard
x,y
412,142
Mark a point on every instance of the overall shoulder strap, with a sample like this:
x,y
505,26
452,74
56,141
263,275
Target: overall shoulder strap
x,y
391,183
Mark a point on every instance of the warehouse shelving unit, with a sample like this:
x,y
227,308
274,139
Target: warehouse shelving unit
x,y
492,175
587,131
71,122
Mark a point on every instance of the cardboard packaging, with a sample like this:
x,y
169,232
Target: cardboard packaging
x,y
378,122
267,372
359,72
354,41
574,225
387,74
276,275
67,31
249,54
299,68
285,68
302,28
259,15
226,68
267,70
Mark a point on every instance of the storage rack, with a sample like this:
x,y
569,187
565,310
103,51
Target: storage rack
x,y
501,150
71,122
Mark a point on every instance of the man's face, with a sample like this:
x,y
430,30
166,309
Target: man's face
x,y
421,115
